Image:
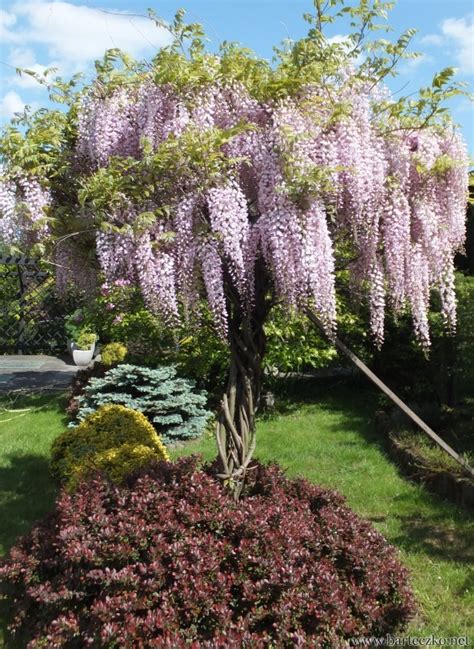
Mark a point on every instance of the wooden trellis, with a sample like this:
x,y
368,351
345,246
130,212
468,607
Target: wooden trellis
x,y
28,322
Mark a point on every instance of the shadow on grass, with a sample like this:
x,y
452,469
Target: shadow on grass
x,y
52,399
27,493
434,535
354,397
442,529
292,393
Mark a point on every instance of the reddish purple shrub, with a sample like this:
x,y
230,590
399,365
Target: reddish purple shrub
x,y
169,560
79,382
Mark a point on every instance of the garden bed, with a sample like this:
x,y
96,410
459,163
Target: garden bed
x,y
421,460
322,431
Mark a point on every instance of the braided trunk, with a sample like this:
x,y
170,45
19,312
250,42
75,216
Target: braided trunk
x,y
235,430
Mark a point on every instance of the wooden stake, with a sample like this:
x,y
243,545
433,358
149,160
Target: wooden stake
x,y
380,384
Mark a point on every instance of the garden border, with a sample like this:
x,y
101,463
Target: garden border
x,y
447,484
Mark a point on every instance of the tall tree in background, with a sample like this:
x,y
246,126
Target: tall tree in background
x,y
224,178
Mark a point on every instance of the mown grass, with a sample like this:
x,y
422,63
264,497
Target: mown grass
x,y
322,431
28,426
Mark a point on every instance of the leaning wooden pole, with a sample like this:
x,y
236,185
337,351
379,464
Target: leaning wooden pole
x,y
380,384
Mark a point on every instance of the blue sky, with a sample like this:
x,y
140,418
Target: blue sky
x,y
70,34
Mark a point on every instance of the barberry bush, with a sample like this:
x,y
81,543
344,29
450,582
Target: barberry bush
x,y
114,440
78,384
171,560
170,403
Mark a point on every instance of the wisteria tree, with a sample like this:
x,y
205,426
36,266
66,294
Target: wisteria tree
x,y
223,178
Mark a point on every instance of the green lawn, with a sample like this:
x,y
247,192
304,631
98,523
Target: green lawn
x,y
26,489
326,435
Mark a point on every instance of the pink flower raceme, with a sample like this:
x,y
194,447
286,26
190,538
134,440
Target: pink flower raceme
x,y
23,204
295,182
8,224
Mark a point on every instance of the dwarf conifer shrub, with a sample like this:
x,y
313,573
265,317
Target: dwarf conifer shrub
x,y
170,403
114,440
171,560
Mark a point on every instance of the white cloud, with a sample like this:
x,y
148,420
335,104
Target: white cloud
x,y
463,107
339,38
77,34
10,104
461,31
20,57
41,34
7,21
342,39
457,32
432,39
415,63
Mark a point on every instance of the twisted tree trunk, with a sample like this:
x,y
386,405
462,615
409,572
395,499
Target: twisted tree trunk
x,y
235,429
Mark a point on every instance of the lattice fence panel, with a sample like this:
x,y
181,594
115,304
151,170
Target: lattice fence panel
x,y
31,314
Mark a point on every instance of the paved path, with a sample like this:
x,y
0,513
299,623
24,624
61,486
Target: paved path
x,y
32,373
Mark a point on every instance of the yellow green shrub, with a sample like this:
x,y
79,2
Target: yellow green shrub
x,y
113,353
115,440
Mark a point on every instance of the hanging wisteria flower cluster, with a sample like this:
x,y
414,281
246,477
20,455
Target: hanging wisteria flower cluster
x,y
23,205
298,188
8,224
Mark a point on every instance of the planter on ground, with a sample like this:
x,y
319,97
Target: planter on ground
x,y
82,357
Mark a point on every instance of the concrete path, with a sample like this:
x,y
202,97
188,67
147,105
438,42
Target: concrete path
x,y
33,373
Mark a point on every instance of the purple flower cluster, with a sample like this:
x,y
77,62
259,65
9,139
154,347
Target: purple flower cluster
x,y
8,224
155,269
403,219
23,210
297,181
228,217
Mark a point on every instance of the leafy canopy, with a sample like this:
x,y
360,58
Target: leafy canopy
x,y
184,171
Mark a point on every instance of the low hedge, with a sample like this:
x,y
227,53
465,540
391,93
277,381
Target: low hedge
x,y
114,440
170,560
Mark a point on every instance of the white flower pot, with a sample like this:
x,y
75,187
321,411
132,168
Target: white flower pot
x,y
82,357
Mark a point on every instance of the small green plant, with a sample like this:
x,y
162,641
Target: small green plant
x,y
79,331
113,353
114,440
85,340
170,403
74,324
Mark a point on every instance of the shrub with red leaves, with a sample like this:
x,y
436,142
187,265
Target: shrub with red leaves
x,y
170,560
79,382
